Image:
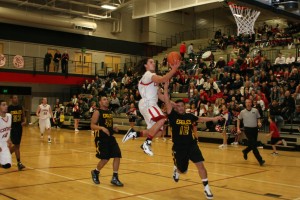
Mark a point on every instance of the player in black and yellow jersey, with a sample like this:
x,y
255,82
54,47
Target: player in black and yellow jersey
x,y
18,121
106,144
185,145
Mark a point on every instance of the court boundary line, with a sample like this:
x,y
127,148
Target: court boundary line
x,y
106,188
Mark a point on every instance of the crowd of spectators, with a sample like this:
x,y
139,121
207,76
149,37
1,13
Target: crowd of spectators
x,y
264,36
274,86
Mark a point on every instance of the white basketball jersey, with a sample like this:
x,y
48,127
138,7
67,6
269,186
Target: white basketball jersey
x,y
5,126
44,111
148,89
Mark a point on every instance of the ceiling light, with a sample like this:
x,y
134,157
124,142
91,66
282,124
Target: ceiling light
x,y
108,7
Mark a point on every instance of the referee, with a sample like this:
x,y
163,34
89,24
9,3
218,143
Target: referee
x,y
251,119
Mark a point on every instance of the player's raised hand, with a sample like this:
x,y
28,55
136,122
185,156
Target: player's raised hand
x,y
175,65
217,118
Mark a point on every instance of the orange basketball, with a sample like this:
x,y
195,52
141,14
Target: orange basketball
x,y
173,57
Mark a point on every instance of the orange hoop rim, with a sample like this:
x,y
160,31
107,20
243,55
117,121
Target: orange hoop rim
x,y
233,5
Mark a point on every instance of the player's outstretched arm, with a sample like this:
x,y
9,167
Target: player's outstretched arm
x,y
207,119
166,77
167,98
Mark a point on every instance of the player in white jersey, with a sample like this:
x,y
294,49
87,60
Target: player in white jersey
x,y
150,93
44,113
5,126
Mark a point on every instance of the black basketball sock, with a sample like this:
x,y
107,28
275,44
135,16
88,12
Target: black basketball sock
x,y
205,182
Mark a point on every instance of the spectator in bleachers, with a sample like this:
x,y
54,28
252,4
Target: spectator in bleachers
x,y
295,75
93,84
101,92
199,82
194,98
84,108
129,72
297,115
288,106
86,87
176,82
114,103
220,63
256,61
74,100
275,110
164,62
261,103
94,92
182,50
112,74
185,83
275,94
211,84
292,86
289,60
93,107
113,86
190,51
124,105
218,34
132,115
280,61
120,75
237,83
137,96
191,89
97,81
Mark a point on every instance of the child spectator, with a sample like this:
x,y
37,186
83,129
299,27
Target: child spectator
x,y
224,125
275,136
132,115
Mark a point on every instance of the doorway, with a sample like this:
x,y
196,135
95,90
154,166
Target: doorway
x,y
83,63
113,63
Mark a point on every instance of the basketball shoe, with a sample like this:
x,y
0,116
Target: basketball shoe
x,y
146,146
95,176
115,181
131,134
20,166
175,174
208,193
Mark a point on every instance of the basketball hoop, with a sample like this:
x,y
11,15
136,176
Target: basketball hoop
x,y
244,18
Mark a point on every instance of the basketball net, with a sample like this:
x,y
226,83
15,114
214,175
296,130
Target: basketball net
x,y
244,18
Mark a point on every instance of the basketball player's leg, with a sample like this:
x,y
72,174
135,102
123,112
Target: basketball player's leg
x,y
48,129
16,136
103,154
115,153
42,125
5,156
197,158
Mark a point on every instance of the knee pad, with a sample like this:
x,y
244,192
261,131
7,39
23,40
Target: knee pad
x,y
6,166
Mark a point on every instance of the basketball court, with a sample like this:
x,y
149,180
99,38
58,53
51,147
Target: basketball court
x,y
62,170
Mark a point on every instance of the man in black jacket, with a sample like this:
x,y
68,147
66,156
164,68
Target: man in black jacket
x,y
275,111
288,106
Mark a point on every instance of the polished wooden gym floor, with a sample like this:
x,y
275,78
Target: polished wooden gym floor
x,y
61,170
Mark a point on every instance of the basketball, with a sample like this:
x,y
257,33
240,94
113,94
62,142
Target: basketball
x,y
172,57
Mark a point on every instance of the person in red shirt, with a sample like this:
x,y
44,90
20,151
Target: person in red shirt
x,y
182,50
275,136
